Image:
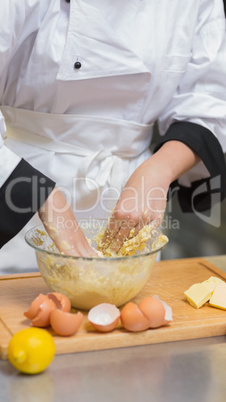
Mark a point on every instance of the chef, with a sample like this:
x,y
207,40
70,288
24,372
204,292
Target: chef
x,y
81,85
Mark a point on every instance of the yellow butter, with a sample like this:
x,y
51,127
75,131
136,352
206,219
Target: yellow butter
x,y
199,293
215,280
218,298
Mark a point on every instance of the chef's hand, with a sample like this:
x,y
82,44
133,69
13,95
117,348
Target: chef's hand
x,y
62,227
143,199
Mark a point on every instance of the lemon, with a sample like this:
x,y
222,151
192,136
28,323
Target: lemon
x,y
31,350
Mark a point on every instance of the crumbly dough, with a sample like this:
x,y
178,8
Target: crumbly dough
x,y
134,244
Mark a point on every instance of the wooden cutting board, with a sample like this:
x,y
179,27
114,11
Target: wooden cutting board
x,y
169,280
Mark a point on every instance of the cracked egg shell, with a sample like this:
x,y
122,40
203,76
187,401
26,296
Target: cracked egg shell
x,y
133,319
153,310
62,302
64,323
34,306
168,310
104,317
42,319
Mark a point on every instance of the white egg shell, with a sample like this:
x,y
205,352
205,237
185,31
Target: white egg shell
x,y
104,317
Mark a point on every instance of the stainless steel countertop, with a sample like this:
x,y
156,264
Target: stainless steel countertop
x,y
182,371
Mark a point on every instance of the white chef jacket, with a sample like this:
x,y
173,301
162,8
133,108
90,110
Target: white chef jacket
x,y
138,62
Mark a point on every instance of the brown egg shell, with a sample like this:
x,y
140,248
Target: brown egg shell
x,y
34,306
153,310
62,302
64,323
42,319
104,317
133,319
168,310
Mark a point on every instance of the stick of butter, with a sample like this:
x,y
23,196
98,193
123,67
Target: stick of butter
x,y
199,293
218,298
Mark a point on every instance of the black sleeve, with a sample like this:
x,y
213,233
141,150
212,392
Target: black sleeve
x,y
202,193
25,190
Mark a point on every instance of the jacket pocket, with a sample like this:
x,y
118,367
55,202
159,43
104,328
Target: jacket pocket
x,y
172,72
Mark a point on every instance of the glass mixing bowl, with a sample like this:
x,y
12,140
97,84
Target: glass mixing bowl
x,y
90,281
